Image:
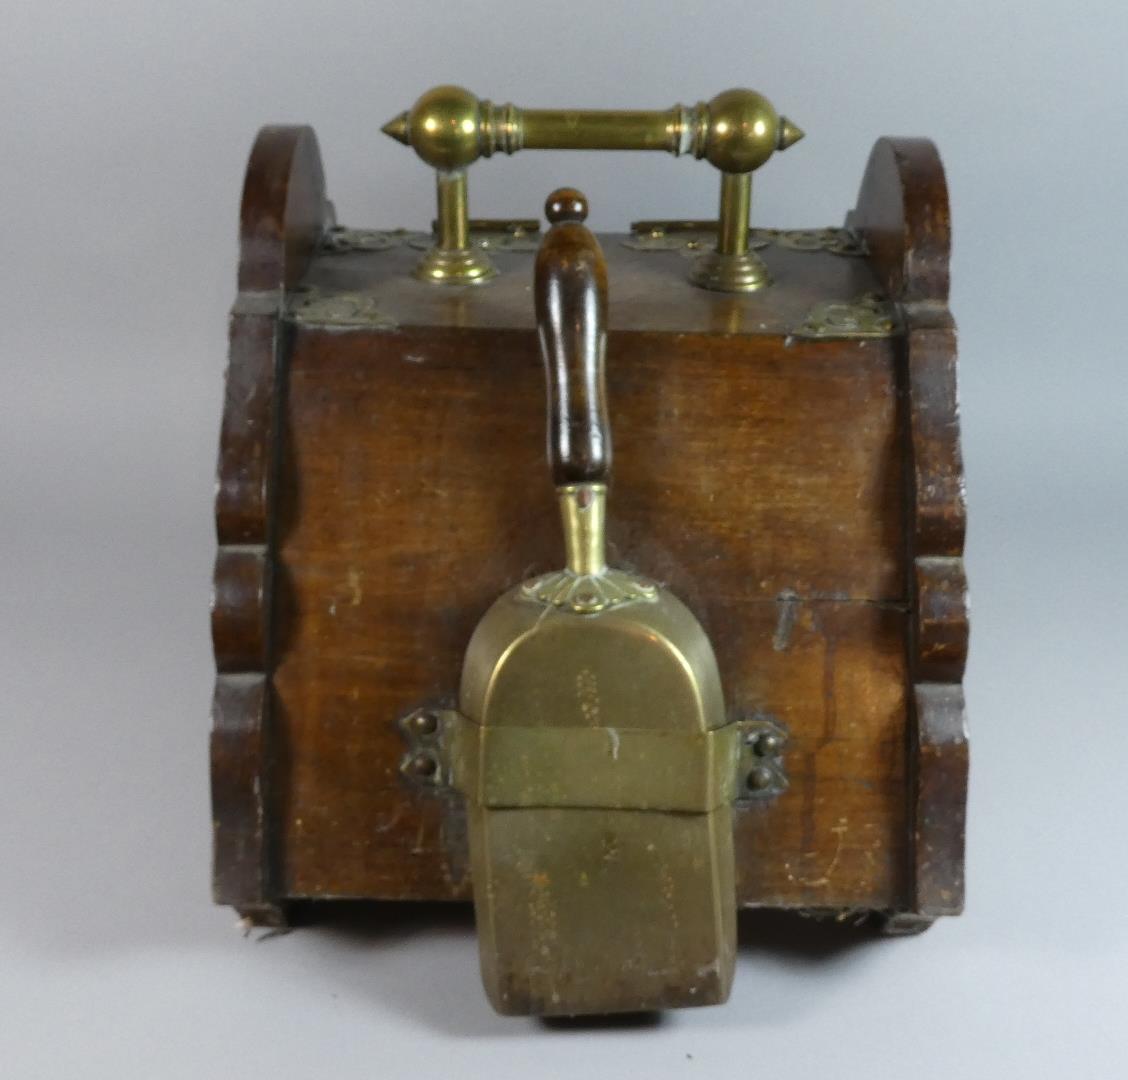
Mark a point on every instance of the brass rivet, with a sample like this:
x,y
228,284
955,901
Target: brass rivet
x,y
422,766
766,744
424,723
759,778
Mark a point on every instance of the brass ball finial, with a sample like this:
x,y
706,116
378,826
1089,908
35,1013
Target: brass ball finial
x,y
566,204
444,127
744,130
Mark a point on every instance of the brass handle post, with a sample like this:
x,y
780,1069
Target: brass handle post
x,y
737,131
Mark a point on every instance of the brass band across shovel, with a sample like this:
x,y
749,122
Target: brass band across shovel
x,y
592,746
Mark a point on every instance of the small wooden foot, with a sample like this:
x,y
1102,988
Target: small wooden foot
x,y
904,923
274,916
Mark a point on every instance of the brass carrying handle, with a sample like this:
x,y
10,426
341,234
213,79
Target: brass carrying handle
x,y
737,131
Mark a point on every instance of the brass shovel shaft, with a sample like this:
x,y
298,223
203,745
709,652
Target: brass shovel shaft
x,y
583,509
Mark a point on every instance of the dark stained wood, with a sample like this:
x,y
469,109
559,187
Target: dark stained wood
x,y
940,618
283,214
570,300
939,799
939,518
242,876
239,608
245,438
284,210
903,214
834,673
386,573
804,498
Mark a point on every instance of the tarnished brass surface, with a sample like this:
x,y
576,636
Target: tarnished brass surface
x,y
515,766
308,305
601,846
451,260
691,236
585,594
737,132
732,266
601,911
583,513
760,771
586,584
868,316
450,128
626,769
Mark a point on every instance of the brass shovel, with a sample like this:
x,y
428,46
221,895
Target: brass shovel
x,y
593,749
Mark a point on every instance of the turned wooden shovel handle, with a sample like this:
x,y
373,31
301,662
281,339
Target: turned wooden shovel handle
x,y
570,290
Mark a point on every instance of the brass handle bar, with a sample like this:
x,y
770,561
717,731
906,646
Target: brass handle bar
x,y
604,129
737,131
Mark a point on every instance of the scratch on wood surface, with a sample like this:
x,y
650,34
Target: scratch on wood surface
x,y
391,823
788,603
355,591
839,831
830,715
419,849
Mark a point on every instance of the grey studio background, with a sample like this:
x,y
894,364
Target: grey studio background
x,y
125,129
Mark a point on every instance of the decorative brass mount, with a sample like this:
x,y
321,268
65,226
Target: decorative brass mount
x,y
692,237
737,131
444,752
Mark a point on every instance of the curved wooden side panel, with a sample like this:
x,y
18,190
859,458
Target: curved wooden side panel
x,y
283,213
903,215
284,210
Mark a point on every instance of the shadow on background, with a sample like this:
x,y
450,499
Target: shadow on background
x,y
377,934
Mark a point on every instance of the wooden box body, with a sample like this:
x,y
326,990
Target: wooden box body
x,y
382,481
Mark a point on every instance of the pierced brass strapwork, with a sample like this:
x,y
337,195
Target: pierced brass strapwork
x,y
692,237
310,306
736,132
870,316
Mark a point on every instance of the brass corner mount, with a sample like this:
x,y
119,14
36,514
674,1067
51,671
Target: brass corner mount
x,y
737,132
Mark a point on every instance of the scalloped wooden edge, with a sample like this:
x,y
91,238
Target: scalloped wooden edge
x,y
903,215
283,215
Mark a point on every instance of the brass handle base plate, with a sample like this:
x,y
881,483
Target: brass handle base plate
x,y
744,272
443,266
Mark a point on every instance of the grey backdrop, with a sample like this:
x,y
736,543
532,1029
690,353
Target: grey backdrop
x,y
125,127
